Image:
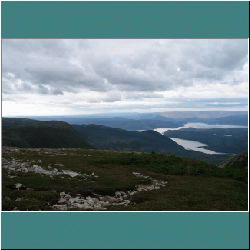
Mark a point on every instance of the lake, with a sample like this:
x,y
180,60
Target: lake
x,y
194,145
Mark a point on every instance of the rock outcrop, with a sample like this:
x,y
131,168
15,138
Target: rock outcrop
x,y
101,202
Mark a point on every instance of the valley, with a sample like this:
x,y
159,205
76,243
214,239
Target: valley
x,y
29,133
59,166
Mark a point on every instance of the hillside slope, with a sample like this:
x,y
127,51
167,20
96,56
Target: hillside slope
x,y
236,167
118,139
225,140
27,133
40,134
94,179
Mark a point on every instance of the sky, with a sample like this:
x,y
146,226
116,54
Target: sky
x,y
90,76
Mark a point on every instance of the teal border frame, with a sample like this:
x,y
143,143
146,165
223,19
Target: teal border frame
x,y
104,230
149,230
125,19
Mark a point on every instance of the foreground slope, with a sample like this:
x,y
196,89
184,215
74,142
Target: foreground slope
x,y
89,179
236,167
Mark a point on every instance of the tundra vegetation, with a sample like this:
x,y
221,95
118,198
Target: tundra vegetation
x,y
93,179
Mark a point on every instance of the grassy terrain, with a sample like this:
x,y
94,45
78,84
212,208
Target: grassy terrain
x,y
27,133
192,185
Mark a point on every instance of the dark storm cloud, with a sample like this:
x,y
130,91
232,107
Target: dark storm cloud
x,y
58,66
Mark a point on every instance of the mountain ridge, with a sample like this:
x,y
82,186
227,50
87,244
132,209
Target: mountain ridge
x,y
59,134
40,134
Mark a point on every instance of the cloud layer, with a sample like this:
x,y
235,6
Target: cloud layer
x,y
99,73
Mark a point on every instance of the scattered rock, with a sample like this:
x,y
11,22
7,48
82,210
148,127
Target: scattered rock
x,y
100,202
60,207
11,176
18,185
26,167
85,201
70,173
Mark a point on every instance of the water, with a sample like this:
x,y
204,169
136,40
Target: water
x,y
197,125
194,145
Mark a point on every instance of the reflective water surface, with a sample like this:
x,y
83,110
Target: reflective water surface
x,y
195,146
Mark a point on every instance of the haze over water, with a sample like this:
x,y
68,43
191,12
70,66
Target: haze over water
x,y
197,125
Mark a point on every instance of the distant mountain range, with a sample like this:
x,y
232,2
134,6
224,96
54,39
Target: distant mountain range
x,y
132,124
28,133
144,121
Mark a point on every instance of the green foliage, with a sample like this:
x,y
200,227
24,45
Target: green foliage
x,y
192,185
27,133
40,134
160,163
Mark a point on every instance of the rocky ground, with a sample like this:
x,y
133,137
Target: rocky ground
x,y
67,201
99,202
41,179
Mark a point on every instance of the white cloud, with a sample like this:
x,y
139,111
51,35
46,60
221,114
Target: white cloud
x,y
81,76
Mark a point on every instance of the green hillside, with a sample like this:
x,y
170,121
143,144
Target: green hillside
x,y
29,133
224,140
236,167
52,166
110,180
103,137
118,139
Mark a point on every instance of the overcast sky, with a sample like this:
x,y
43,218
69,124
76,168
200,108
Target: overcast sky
x,y
84,76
